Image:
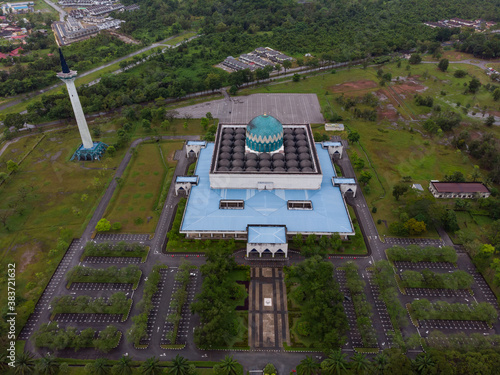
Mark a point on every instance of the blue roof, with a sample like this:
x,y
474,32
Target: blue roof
x,y
196,143
329,213
257,234
265,126
329,143
344,180
192,179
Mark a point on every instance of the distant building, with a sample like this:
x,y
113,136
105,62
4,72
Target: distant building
x,y
458,189
18,8
417,187
334,127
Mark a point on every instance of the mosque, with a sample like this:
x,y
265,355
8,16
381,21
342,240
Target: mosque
x,y
264,182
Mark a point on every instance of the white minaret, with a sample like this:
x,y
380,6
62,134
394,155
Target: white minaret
x,y
68,77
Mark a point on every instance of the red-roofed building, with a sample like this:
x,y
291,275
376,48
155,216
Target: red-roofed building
x,y
16,52
458,189
3,56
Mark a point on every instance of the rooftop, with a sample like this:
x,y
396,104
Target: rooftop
x,y
266,234
192,179
460,187
266,207
299,154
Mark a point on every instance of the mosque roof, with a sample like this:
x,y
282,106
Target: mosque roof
x,y
264,126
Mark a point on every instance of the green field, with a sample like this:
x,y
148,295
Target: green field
x,y
398,147
135,203
43,201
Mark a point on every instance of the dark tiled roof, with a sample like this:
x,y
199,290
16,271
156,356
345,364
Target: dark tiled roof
x,y
460,187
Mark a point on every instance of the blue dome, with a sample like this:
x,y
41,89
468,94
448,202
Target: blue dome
x,y
264,134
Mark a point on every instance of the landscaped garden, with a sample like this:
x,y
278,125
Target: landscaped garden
x,y
117,303
138,331
130,274
178,300
423,309
319,322
55,338
221,325
434,280
415,253
121,249
364,312
384,278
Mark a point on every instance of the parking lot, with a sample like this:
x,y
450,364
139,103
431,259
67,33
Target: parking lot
x,y
112,260
88,318
424,265
427,292
354,335
381,310
413,241
287,108
483,287
467,326
185,323
156,299
101,286
48,293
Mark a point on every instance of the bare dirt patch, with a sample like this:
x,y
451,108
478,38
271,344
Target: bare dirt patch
x,y
354,86
387,112
29,254
409,86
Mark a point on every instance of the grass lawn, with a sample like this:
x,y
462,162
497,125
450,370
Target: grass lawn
x,y
134,204
53,205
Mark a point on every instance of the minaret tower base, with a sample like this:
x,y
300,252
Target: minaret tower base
x,y
88,150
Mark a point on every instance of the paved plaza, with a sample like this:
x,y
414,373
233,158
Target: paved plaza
x,y
287,108
268,313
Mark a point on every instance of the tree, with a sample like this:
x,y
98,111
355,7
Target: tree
x,y
98,367
180,366
308,366
360,364
111,150
380,363
12,166
15,120
415,59
123,367
365,177
25,364
47,365
474,85
460,73
424,363
146,124
229,365
103,225
335,364
151,367
443,65
415,227
399,190
3,176
287,64
496,95
353,136
296,77
490,120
